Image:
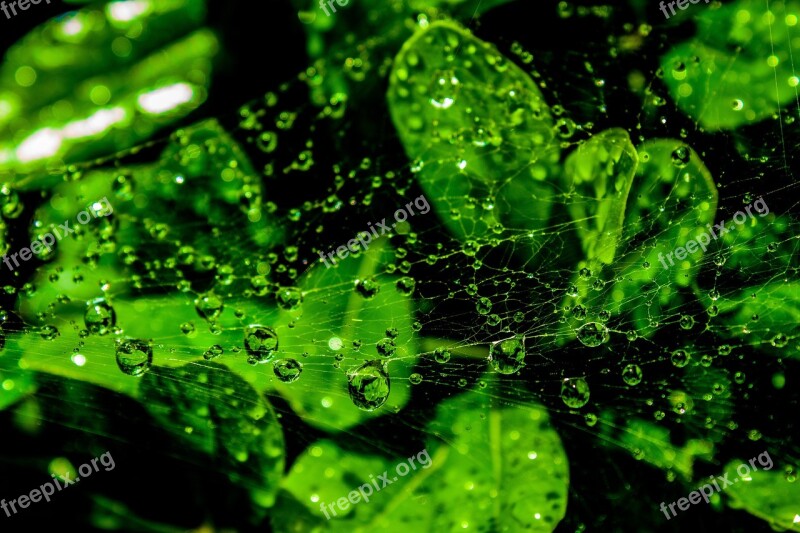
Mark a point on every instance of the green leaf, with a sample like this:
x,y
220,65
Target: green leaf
x,y
652,444
331,318
672,200
151,210
477,128
494,467
600,173
766,494
211,409
16,382
738,69
75,86
764,316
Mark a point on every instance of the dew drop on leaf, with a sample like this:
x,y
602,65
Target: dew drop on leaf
x,y
99,316
134,356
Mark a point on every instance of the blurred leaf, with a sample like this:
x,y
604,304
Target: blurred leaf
x,y
100,80
764,316
766,494
209,408
738,69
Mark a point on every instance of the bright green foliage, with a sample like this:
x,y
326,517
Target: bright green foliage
x,y
767,494
477,130
74,87
599,174
738,69
479,476
672,198
354,326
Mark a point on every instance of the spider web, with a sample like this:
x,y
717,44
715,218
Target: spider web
x,y
319,174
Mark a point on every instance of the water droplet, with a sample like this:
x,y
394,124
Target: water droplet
x,y
592,334
386,347
369,385
260,342
508,356
267,141
632,375
134,356
287,370
780,340
209,306
99,316
483,306
289,298
415,378
681,156
575,392
406,285
367,288
680,358
440,355
49,332
444,89
687,322
213,352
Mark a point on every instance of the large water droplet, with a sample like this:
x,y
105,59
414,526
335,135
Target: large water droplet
x,y
209,306
508,356
289,298
632,375
592,334
444,89
287,370
134,356
260,342
49,332
369,385
575,392
367,288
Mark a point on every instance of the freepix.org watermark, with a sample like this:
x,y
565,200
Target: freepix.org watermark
x,y
365,237
330,3
682,5
703,240
47,489
707,490
21,4
101,208
365,491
